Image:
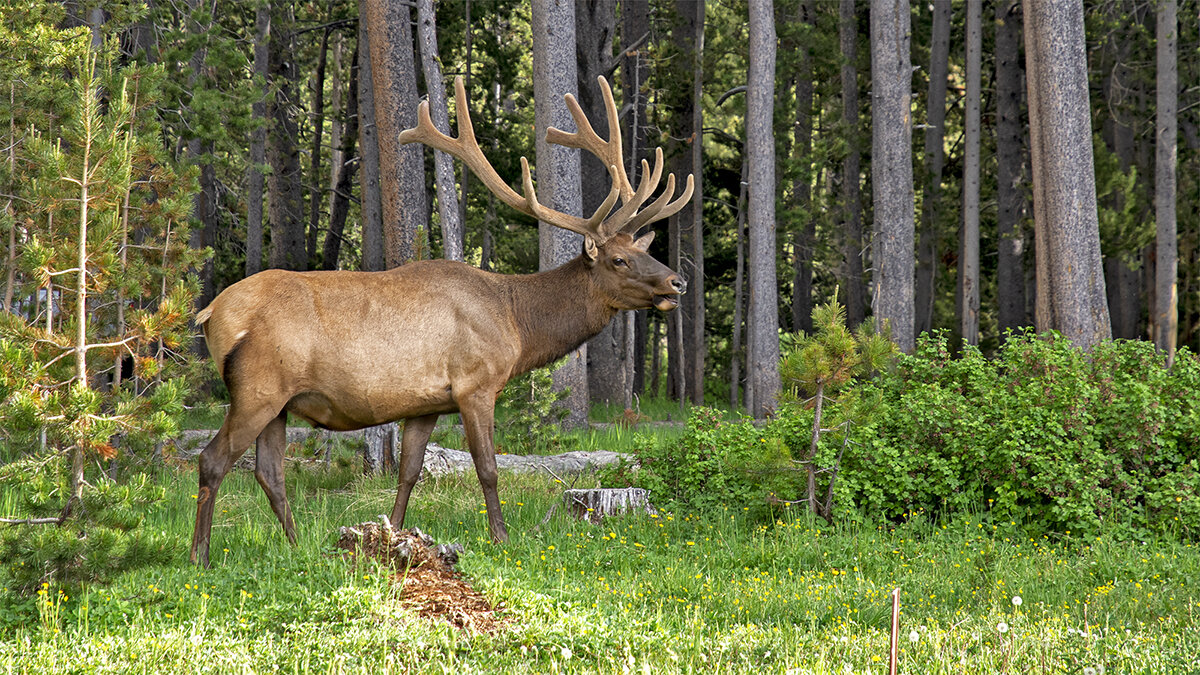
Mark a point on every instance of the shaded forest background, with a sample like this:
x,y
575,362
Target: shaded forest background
x,y
252,138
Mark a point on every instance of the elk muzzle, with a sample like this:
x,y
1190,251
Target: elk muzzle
x,y
668,301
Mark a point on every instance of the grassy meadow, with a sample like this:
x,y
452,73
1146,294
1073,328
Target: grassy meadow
x,y
712,593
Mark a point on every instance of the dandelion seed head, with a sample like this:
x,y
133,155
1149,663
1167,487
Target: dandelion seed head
x,y
914,636
1016,601
1002,627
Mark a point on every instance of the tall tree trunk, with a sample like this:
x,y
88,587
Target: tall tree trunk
x,y
969,260
368,151
1010,170
595,26
401,168
286,204
1070,278
1122,283
204,203
891,170
316,187
805,237
339,202
1166,319
736,351
447,196
336,158
694,342
935,158
763,318
635,71
258,142
554,74
852,244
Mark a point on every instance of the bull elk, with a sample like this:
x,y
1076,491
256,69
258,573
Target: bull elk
x,y
347,350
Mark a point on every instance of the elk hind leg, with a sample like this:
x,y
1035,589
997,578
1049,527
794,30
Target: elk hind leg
x,y
412,458
478,413
268,470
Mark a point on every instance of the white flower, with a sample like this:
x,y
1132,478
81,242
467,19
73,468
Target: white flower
x,y
847,669
1016,601
566,652
1002,627
1099,669
913,636
1089,671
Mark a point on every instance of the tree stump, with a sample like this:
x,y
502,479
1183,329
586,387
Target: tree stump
x,y
594,505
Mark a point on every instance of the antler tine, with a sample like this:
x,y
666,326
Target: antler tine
x,y
589,227
609,151
660,208
617,221
465,147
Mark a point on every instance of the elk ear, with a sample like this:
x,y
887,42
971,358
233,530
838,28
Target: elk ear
x,y
589,247
643,243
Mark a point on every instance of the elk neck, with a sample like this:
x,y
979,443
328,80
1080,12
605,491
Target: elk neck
x,y
556,311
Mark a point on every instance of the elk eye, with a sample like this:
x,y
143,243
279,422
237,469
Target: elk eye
x,y
620,262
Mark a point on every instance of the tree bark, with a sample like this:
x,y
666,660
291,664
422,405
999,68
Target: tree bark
x,y
635,71
368,151
316,187
891,159
852,244
969,260
401,168
339,202
935,157
595,26
258,141
1166,319
804,240
286,206
739,284
1010,170
554,74
447,195
763,318
1070,278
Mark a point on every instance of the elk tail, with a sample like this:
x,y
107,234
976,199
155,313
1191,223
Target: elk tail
x,y
204,315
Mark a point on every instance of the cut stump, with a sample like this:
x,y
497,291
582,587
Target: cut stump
x,y
597,504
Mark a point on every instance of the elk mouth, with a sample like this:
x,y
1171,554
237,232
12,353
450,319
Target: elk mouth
x,y
666,303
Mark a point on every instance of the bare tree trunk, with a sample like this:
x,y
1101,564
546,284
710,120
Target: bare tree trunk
x,y
1071,292
286,205
554,74
447,196
635,71
336,158
1166,320
339,202
935,156
258,142
1010,170
762,367
969,260
318,114
401,168
694,341
805,238
891,159
852,244
737,357
368,151
595,26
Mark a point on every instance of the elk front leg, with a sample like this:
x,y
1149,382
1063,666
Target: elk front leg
x,y
477,416
412,458
268,469
236,433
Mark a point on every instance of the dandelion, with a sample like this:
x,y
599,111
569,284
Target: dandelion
x,y
566,652
1089,671
1016,601
914,636
1002,627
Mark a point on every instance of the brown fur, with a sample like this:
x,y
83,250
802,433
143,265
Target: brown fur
x,y
348,350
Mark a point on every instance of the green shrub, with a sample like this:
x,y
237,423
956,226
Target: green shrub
x,y
717,463
1044,434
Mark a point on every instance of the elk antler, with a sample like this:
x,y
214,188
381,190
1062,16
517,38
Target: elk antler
x,y
603,224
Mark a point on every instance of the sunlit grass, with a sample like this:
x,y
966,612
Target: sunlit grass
x,y
678,593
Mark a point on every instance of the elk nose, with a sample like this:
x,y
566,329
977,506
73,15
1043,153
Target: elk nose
x,y
679,285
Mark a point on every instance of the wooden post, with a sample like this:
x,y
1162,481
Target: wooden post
x,y
894,652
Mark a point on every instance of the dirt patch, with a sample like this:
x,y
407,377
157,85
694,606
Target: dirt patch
x,y
424,572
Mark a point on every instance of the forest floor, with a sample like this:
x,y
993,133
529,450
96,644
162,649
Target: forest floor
x,y
680,592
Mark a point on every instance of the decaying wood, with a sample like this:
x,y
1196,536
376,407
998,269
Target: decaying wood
x,y
596,504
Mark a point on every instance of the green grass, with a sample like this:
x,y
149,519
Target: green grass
x,y
678,593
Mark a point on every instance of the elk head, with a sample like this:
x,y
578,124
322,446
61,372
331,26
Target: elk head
x,y
624,272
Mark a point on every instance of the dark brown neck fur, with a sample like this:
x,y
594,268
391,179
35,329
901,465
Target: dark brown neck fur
x,y
556,311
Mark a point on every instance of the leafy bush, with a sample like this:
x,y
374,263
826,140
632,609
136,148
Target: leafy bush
x,y
716,463
1044,434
